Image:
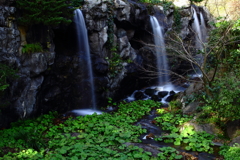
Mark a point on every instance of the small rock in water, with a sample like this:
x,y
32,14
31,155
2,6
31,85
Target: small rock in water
x,y
162,94
150,136
139,95
169,98
156,98
172,93
150,92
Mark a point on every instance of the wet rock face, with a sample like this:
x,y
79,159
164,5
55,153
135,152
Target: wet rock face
x,y
114,21
9,44
51,82
6,2
21,96
36,63
9,35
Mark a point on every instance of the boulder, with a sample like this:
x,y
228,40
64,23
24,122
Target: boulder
x,y
209,128
139,95
193,88
156,98
124,47
172,93
162,94
97,41
190,108
121,33
97,20
23,94
171,96
234,141
150,92
36,63
233,128
100,66
122,10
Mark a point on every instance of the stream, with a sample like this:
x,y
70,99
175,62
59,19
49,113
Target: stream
x,y
163,94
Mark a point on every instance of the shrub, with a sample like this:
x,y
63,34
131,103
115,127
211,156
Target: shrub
x,y
32,48
224,104
230,153
5,73
47,12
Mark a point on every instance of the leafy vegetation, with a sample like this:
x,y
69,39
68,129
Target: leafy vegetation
x,y
169,153
47,12
5,73
221,104
230,153
191,139
31,48
89,137
166,4
115,61
177,19
196,1
77,3
104,136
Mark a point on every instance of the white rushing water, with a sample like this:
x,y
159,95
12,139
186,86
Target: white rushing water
x,y
162,63
197,30
203,28
168,88
200,30
83,52
83,112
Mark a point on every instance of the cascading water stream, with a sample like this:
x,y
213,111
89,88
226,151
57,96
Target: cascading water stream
x,y
83,52
199,27
203,28
197,30
162,63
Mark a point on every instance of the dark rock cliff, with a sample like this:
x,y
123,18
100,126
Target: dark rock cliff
x,y
49,81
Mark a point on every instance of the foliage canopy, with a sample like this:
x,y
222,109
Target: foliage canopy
x,y
47,12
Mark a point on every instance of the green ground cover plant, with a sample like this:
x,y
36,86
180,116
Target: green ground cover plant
x,y
89,137
230,152
188,137
169,153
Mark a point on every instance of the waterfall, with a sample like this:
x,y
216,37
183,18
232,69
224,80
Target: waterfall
x,y
83,52
162,63
197,30
199,27
203,28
